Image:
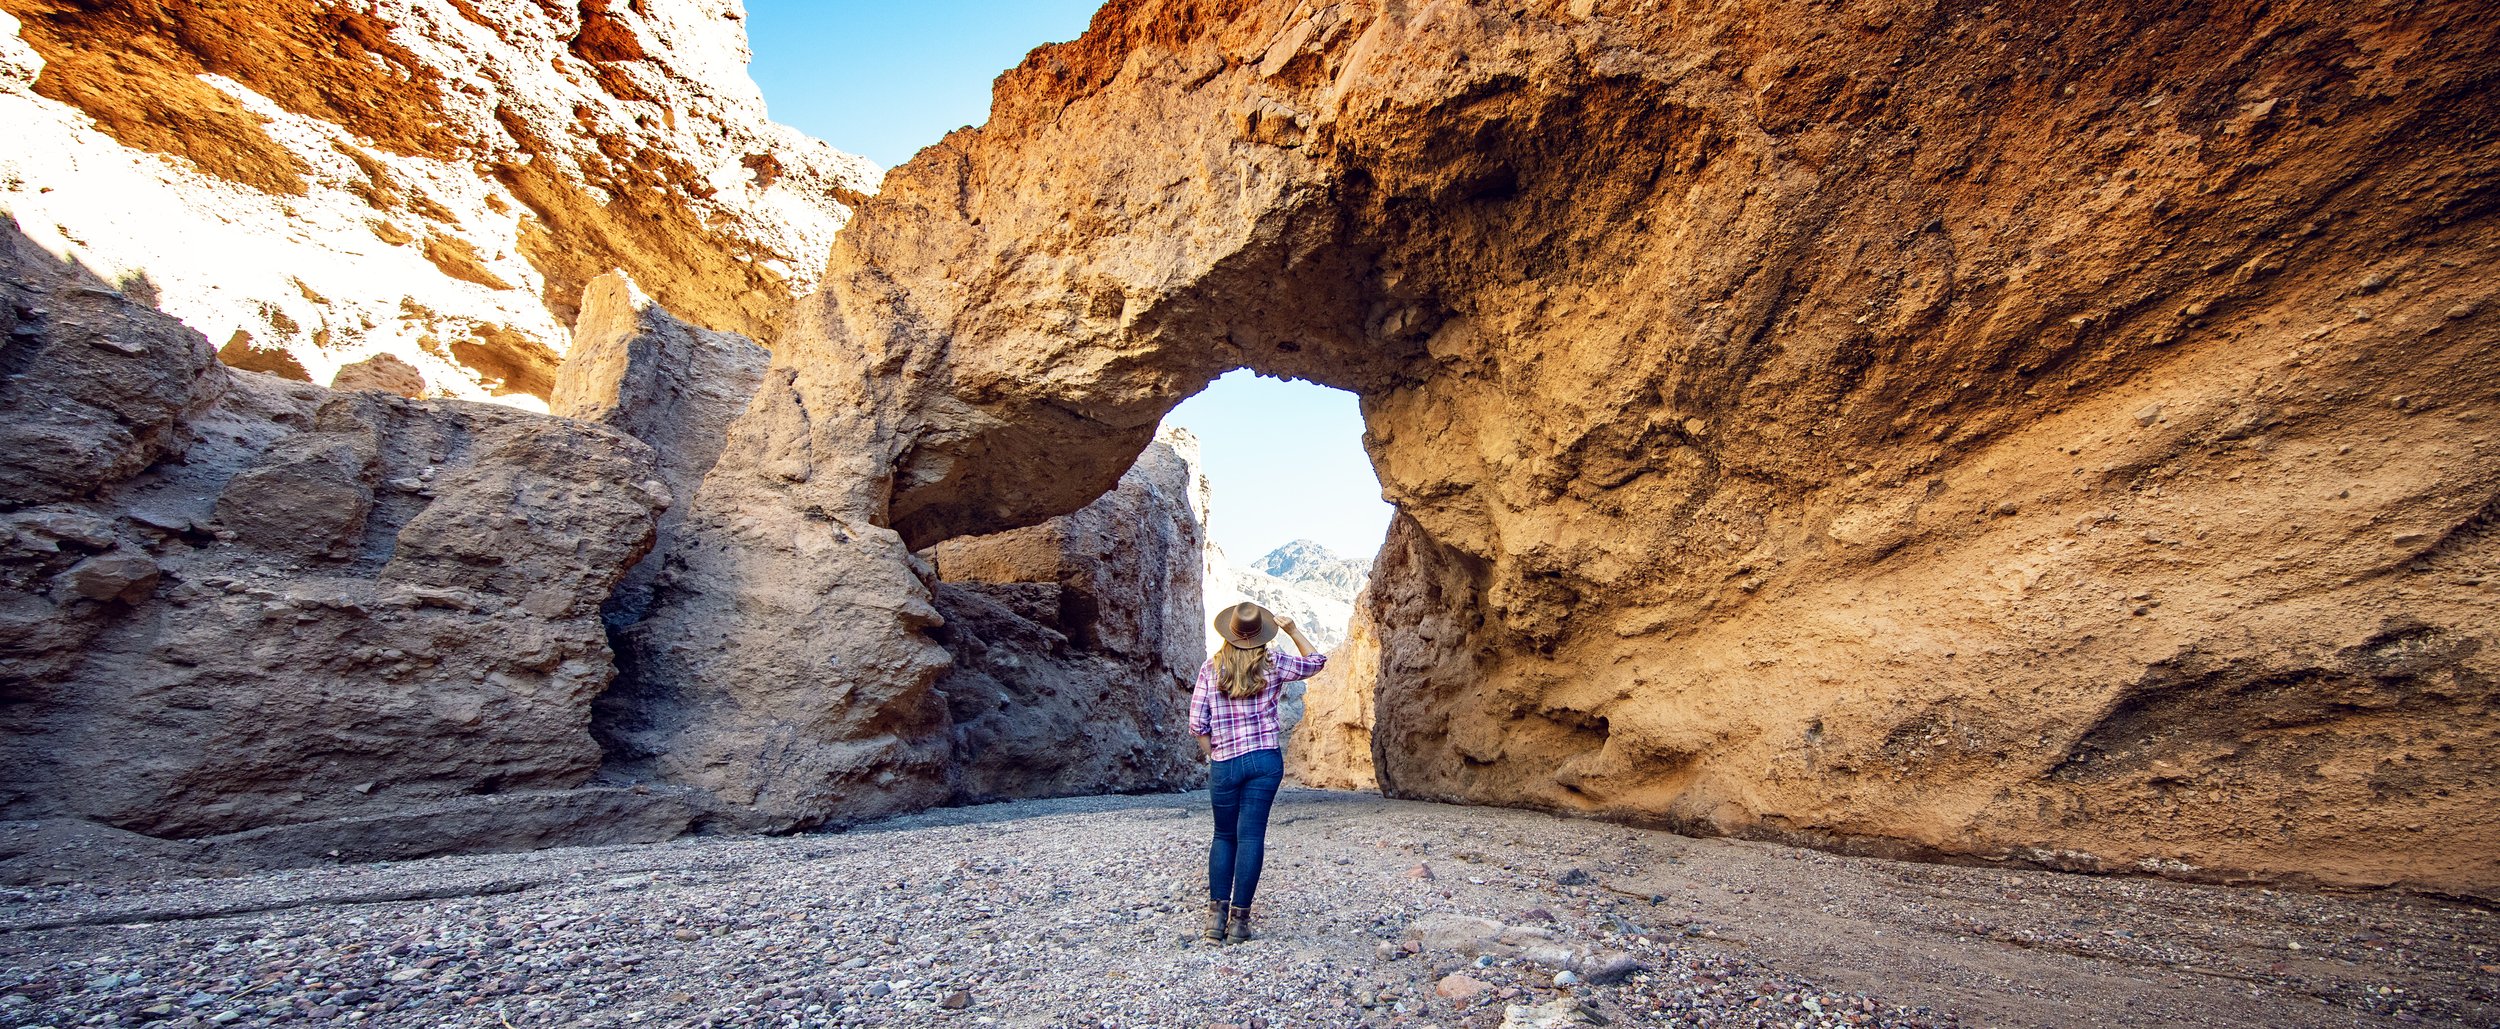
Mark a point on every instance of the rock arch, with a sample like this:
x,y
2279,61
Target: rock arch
x,y
2048,434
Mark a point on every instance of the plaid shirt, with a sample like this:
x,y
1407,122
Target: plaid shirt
x,y
1242,726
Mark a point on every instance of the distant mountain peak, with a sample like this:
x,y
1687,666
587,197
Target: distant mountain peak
x,y
1309,566
1301,555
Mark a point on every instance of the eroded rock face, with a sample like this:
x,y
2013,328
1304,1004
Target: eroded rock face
x,y
230,603
639,369
310,183
2048,433
1331,747
1073,645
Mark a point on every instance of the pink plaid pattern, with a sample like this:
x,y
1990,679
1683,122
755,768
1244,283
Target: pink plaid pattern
x,y
1242,726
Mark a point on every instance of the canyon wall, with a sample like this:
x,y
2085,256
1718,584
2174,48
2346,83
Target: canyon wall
x,y
1075,644
233,608
312,184
248,621
2056,433
1330,747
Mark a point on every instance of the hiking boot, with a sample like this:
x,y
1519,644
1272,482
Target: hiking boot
x,y
1240,930
1215,921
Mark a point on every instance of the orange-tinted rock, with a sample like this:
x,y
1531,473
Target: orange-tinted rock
x,y
382,373
1331,748
1763,389
437,181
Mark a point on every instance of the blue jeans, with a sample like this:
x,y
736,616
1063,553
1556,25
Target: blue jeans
x,y
1243,788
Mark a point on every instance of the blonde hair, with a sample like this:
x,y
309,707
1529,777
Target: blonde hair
x,y
1240,672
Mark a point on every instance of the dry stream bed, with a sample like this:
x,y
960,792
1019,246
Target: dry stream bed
x,y
1080,913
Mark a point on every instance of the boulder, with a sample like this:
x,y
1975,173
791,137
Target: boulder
x,y
384,373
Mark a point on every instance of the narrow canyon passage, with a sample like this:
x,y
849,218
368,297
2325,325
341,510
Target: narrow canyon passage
x,y
2028,439
1080,913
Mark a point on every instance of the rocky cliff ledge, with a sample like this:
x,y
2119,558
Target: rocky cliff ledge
x,y
313,183
233,608
2047,432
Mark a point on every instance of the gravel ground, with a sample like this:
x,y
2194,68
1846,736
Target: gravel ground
x,y
1083,912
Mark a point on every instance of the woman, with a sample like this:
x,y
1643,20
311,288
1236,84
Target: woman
x,y
1232,712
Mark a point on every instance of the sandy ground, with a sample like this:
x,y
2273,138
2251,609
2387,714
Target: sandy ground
x,y
1083,912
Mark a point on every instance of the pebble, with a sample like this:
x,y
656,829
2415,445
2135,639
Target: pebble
x,y
1083,912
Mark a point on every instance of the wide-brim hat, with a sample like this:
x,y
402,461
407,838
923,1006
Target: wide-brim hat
x,y
1245,625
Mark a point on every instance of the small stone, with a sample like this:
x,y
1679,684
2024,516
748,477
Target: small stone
x,y
1460,987
956,1000
1566,977
685,935
122,575
2462,312
2005,508
1420,871
1536,915
2148,415
880,990
1572,877
1609,969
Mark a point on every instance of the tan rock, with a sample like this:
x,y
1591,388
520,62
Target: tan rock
x,y
1331,748
385,373
309,183
637,368
1759,400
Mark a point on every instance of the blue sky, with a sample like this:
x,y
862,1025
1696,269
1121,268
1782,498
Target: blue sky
x,y
1287,462
882,80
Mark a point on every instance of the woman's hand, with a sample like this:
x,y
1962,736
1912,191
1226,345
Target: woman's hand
x,y
1294,632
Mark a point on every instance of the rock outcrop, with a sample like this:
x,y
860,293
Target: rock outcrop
x,y
1074,645
246,621
1330,748
2048,433
232,604
311,183
639,369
